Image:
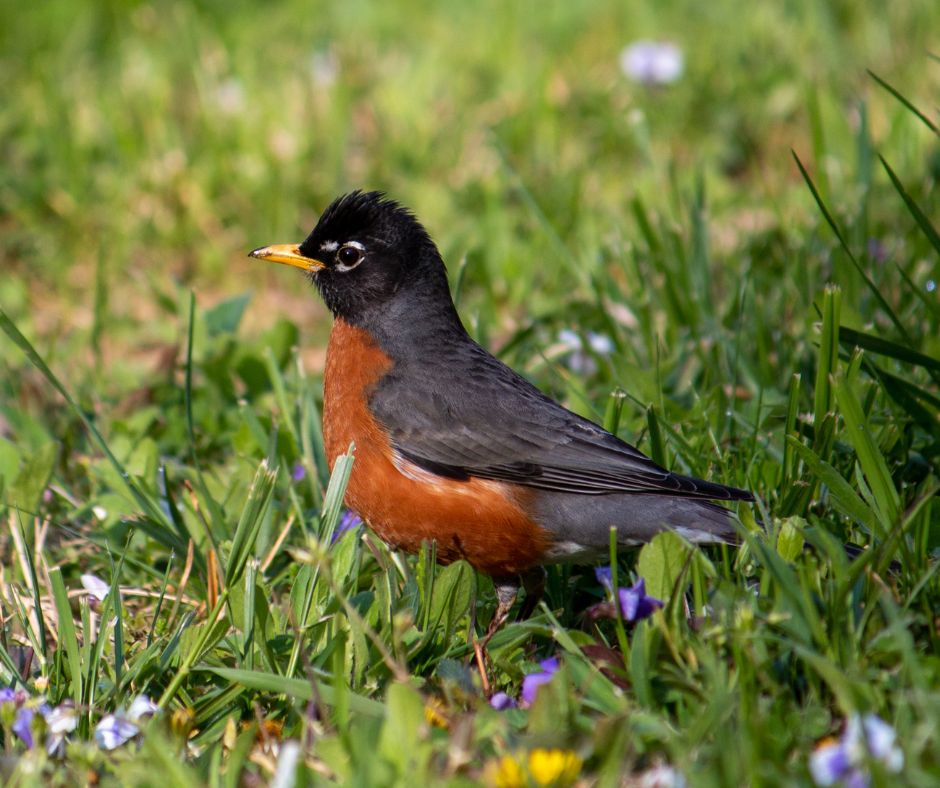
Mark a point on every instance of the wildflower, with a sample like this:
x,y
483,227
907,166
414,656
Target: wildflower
x,y
298,472
501,701
661,776
842,761
579,361
435,713
114,730
288,758
95,586
23,724
122,726
60,721
348,522
652,62
553,767
539,767
16,715
507,772
142,709
532,682
635,605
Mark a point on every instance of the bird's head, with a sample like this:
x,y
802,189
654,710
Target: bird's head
x,y
365,252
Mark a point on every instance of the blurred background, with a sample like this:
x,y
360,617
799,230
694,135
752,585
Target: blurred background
x,y
148,146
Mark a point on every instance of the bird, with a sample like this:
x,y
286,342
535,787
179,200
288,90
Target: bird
x,y
454,447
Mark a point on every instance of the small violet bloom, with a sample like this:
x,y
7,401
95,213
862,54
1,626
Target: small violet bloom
x,y
532,682
348,522
17,713
842,761
122,726
501,701
114,730
635,605
652,62
298,472
23,724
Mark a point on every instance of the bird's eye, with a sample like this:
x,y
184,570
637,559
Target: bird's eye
x,y
349,256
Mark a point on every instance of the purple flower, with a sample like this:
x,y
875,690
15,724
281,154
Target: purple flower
x,y
501,701
348,522
842,761
7,695
298,472
532,682
114,730
635,605
22,725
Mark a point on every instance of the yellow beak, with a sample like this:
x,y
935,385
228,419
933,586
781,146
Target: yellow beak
x,y
288,254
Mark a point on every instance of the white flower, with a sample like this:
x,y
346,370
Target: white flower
x,y
60,722
95,586
661,776
287,759
141,708
579,361
652,62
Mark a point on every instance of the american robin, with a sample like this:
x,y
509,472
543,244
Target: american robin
x,y
453,446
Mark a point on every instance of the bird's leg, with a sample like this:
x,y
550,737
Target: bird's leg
x,y
533,581
507,589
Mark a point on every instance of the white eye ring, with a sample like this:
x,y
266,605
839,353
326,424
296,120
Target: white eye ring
x,y
349,255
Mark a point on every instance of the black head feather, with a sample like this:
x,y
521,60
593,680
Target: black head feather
x,y
398,267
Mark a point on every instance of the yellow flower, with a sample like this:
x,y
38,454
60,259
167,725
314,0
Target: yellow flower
x,y
435,713
506,773
553,767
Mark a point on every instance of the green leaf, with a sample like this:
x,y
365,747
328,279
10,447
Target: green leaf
x,y
225,316
885,347
27,489
858,433
147,503
67,637
828,353
301,689
253,513
452,592
841,491
401,741
790,538
661,562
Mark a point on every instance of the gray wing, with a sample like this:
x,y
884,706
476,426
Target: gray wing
x,y
488,422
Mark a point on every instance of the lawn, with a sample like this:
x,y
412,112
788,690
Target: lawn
x,y
736,270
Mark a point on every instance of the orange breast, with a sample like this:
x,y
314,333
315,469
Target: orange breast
x,y
481,521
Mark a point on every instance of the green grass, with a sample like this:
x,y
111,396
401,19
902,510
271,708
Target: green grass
x,y
759,242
